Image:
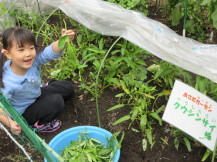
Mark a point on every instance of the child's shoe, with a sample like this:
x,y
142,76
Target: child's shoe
x,y
47,83
43,85
49,127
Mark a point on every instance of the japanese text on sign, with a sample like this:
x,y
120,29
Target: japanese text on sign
x,y
193,113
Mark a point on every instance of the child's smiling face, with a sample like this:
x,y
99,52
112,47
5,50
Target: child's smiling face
x,y
22,57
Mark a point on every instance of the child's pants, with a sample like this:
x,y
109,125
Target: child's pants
x,y
50,103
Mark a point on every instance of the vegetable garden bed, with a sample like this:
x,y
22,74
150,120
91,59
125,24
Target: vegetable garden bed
x,y
82,112
136,93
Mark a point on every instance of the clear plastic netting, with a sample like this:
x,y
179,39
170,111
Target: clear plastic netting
x,y
110,19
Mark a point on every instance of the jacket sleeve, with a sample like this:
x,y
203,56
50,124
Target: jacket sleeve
x,y
46,55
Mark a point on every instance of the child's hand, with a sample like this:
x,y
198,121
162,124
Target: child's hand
x,y
59,47
70,33
15,128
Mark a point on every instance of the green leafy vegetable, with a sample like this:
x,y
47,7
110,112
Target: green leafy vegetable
x,y
88,149
62,41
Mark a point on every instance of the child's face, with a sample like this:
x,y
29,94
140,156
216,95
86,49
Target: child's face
x,y
22,58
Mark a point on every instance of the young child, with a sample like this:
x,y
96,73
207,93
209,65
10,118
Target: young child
x,y
21,82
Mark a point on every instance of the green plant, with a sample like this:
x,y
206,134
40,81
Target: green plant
x,y
209,153
19,158
126,69
97,79
196,22
69,62
128,72
165,74
138,5
91,150
127,60
6,20
143,116
77,58
212,11
206,86
181,137
206,155
94,55
38,24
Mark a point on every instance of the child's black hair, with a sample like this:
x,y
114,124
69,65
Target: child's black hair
x,y
22,36
2,61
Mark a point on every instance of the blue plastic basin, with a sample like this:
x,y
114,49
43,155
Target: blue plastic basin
x,y
64,138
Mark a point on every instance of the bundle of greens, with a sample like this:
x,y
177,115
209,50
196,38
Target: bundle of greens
x,y
88,149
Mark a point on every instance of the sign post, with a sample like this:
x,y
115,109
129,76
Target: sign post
x,y
193,113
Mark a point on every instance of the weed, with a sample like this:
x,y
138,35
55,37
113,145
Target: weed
x,y
165,74
138,5
181,137
6,14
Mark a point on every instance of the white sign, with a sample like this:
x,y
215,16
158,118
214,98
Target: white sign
x,y
193,113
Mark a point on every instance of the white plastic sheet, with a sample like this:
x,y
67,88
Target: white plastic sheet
x,y
110,19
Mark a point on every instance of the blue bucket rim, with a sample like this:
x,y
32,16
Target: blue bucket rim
x,y
79,128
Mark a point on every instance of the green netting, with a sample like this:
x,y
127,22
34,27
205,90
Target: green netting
x,y
37,142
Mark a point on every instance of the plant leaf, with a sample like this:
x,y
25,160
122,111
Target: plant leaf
x,y
120,95
122,119
62,41
144,144
55,72
205,2
160,109
214,18
176,16
206,155
156,116
149,136
116,107
105,151
176,143
143,122
135,114
187,143
79,39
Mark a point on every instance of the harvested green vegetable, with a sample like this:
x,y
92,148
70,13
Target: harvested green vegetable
x,y
88,149
62,41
